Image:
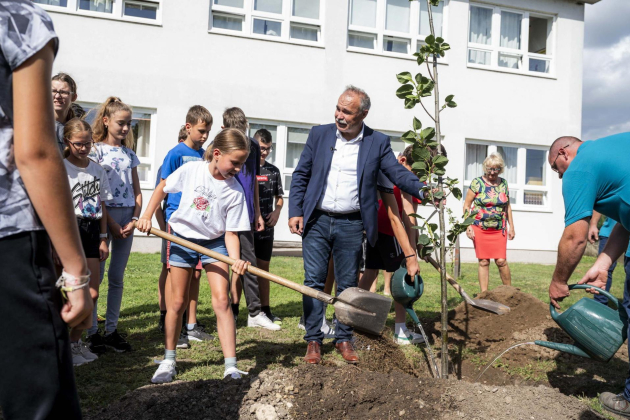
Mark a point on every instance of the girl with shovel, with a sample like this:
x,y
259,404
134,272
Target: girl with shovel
x,y
211,212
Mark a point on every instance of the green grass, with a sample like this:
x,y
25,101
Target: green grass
x,y
113,375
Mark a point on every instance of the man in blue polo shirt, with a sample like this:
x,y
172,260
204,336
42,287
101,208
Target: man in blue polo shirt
x,y
595,176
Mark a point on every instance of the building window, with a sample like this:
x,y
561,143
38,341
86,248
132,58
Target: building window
x,y
141,11
391,27
283,20
144,133
511,40
525,171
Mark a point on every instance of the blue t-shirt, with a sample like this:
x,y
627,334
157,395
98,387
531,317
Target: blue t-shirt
x,y
178,156
247,176
599,179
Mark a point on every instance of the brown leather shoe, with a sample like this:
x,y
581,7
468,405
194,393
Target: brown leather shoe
x,y
313,353
347,351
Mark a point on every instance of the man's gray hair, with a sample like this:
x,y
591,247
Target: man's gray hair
x,y
363,96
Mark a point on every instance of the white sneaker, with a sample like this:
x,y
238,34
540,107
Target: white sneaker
x,y
77,355
165,372
233,373
301,323
262,321
408,337
86,353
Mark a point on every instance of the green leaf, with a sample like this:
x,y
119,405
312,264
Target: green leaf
x,y
423,179
419,166
457,193
404,90
427,133
438,194
410,103
417,125
424,240
433,226
439,171
416,215
420,154
440,160
430,40
451,104
446,47
420,59
404,77
449,98
439,39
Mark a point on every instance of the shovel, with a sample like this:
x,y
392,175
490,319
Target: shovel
x,y
354,307
485,304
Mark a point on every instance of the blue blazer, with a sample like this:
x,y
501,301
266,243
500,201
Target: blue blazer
x,y
375,154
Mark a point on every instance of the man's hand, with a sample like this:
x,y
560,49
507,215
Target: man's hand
x,y
557,292
272,218
412,267
296,225
103,250
144,225
596,276
593,234
77,311
260,223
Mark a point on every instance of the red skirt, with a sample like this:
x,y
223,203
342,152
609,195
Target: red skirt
x,y
490,243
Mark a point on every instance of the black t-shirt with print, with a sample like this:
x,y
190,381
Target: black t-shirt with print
x,y
269,187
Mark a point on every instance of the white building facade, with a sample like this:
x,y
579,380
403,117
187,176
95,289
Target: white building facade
x,y
515,67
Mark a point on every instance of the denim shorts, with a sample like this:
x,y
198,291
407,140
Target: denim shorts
x,y
180,256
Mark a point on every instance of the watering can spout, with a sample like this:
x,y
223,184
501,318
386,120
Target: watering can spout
x,y
566,348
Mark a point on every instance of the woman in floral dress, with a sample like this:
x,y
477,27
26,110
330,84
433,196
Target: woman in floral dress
x,y
489,196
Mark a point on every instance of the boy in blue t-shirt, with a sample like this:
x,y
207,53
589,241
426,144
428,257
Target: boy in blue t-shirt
x,y
196,131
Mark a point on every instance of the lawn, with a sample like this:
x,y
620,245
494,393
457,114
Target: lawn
x,y
113,375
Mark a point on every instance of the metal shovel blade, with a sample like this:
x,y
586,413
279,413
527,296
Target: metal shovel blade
x,y
486,305
362,310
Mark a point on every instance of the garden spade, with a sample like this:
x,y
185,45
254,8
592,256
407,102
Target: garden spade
x,y
485,304
354,307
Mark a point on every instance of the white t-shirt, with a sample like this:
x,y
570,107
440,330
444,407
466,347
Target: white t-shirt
x,y
118,163
208,207
89,187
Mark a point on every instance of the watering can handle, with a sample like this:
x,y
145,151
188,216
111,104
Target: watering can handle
x,y
555,314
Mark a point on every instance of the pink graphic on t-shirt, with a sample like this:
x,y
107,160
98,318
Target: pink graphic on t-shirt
x,y
201,203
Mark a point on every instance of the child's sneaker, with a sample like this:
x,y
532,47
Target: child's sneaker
x,y
233,373
87,354
183,342
165,372
95,343
116,342
261,321
408,338
77,355
197,334
301,323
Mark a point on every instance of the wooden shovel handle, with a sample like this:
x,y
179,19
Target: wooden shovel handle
x,y
316,294
450,279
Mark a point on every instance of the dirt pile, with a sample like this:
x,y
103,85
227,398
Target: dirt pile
x,y
381,354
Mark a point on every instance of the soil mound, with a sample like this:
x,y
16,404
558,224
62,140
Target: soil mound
x,y
381,354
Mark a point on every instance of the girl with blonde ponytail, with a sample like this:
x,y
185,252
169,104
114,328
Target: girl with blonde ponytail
x,y
113,150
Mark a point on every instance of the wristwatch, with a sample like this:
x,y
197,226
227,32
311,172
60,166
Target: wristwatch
x,y
135,218
103,235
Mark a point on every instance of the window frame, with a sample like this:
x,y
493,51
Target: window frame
x,y
520,185
413,36
494,48
286,18
118,11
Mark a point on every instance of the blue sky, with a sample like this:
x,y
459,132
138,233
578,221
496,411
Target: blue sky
x,y
606,98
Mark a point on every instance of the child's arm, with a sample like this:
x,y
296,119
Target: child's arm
x,y
128,230
103,248
159,216
233,245
389,201
259,222
144,222
272,218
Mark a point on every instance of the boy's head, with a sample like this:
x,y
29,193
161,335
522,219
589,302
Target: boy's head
x,y
183,134
406,157
198,126
264,138
235,118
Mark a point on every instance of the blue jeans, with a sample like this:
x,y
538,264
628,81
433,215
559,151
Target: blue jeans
x,y
342,236
601,298
118,257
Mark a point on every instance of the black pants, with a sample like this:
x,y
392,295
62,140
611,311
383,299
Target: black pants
x,y
37,379
250,281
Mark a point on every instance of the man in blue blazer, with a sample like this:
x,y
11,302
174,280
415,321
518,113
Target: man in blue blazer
x,y
333,200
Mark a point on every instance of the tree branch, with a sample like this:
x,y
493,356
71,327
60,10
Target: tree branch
x,y
425,110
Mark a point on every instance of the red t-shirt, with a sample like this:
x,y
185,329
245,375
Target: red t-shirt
x,y
384,226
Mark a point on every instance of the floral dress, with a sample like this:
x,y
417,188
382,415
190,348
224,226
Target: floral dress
x,y
491,202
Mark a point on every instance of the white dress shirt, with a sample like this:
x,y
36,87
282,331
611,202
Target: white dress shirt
x,y
341,192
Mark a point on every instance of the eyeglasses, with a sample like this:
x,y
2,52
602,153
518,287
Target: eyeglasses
x,y
494,170
553,165
78,146
62,93
266,149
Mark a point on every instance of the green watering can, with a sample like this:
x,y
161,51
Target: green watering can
x,y
597,329
406,292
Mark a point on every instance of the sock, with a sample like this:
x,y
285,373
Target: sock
x,y
400,329
230,362
162,313
169,355
235,309
191,326
266,310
